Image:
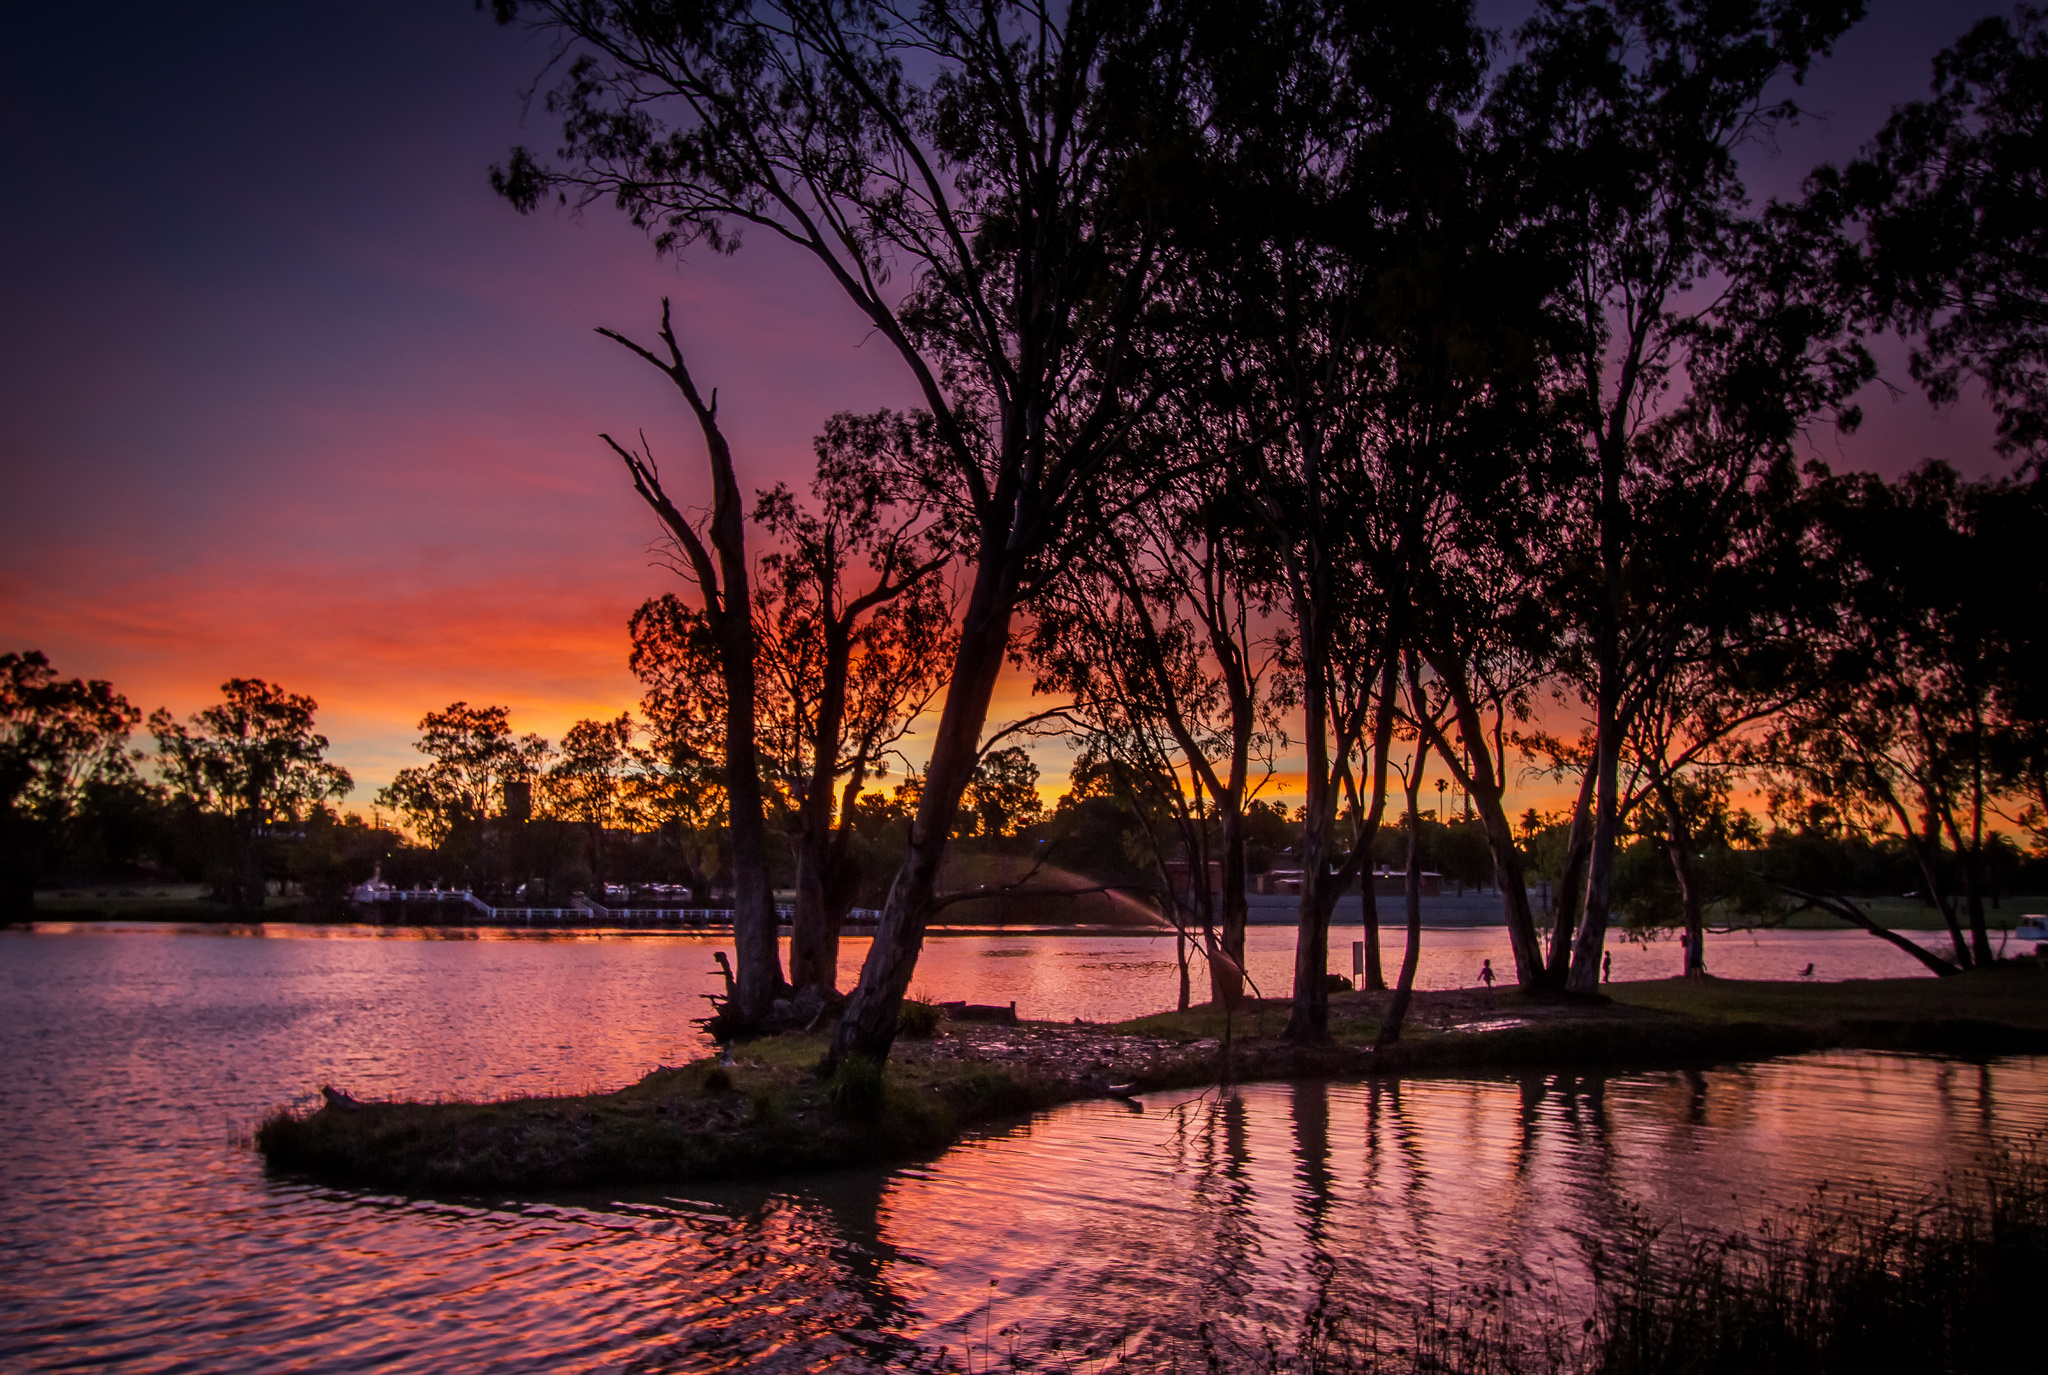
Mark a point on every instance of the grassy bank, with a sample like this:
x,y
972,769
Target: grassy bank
x,y
764,1112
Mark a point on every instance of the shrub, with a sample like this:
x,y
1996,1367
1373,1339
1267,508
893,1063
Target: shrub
x,y
917,1018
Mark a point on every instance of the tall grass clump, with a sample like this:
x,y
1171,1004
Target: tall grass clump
x,y
1946,1283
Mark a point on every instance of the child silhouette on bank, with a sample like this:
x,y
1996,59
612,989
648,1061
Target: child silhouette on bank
x,y
1486,972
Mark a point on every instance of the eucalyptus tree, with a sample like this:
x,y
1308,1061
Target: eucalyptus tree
x,y
989,185
1628,121
1165,624
1468,437
849,670
851,632
1905,729
1339,133
1754,642
473,755
253,756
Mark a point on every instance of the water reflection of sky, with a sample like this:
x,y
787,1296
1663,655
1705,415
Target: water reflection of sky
x,y
142,1234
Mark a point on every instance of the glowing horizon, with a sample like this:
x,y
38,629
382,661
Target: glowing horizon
x,y
307,402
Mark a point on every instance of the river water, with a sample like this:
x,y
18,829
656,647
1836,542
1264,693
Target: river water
x,y
138,1230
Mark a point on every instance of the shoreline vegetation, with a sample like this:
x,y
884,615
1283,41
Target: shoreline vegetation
x,y
760,1108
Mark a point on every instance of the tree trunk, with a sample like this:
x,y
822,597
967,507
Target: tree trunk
x,y
1592,940
1368,901
813,948
868,1027
1309,1021
1571,885
1927,854
1486,786
1180,956
1855,916
1226,981
1678,846
1404,988
1607,726
757,959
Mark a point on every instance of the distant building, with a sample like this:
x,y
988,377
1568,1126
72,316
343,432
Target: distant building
x,y
518,799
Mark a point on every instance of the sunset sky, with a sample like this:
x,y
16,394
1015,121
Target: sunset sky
x,y
288,393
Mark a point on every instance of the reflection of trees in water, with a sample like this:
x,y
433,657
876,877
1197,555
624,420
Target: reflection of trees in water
x,y
756,1278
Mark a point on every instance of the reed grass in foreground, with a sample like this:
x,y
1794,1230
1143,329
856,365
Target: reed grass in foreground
x,y
1945,1284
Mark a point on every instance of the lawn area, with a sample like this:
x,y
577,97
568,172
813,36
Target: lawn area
x,y
2015,996
1911,914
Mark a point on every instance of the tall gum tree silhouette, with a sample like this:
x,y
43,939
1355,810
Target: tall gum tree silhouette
x,y
716,560
985,182
1628,120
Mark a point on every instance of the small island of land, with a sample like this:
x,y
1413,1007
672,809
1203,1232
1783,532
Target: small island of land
x,y
761,1110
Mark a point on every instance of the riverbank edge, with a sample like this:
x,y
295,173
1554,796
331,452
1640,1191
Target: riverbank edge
x,y
762,1111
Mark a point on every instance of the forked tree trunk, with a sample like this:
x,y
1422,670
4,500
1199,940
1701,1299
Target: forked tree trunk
x,y
1571,885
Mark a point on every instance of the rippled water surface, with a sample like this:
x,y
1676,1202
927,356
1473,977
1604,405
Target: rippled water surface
x,y
139,1232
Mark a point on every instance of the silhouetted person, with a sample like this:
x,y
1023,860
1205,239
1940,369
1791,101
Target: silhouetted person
x,y
1607,967
1807,972
1486,972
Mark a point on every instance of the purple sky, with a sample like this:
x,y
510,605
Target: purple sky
x,y
287,392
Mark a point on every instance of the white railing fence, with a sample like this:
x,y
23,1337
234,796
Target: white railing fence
x,y
584,911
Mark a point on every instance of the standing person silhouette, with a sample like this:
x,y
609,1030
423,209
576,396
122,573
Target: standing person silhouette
x,y
1607,967
1486,972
